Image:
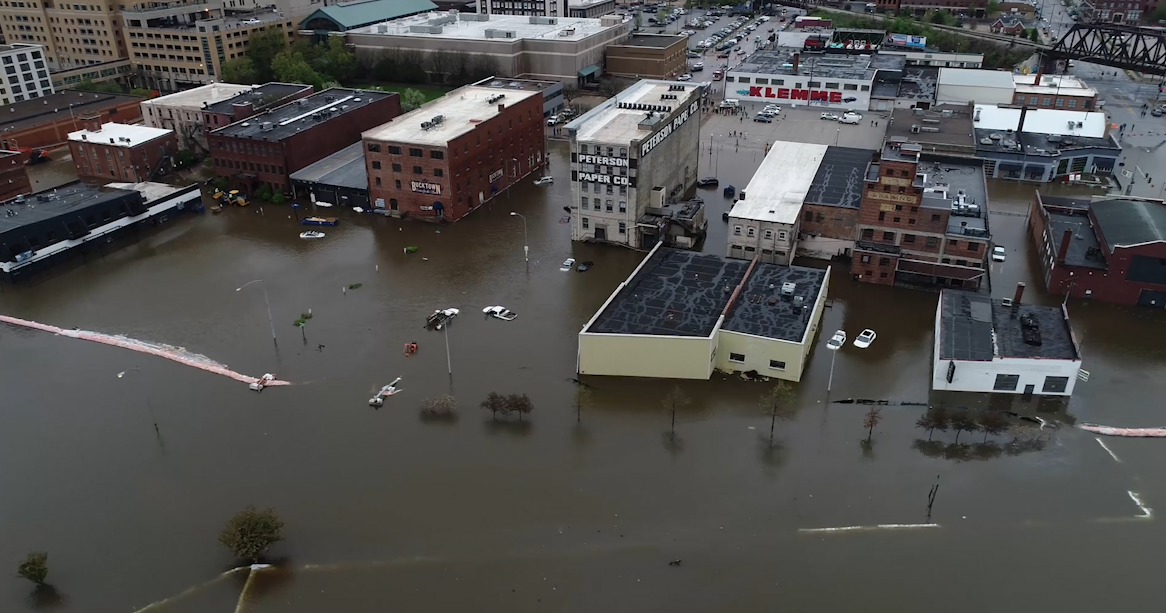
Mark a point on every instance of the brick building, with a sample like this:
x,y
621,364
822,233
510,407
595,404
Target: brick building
x,y
119,151
445,159
1043,91
648,57
13,176
830,209
190,112
1111,250
255,100
922,222
48,120
268,147
969,8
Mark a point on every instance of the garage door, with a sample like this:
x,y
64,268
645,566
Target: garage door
x,y
882,105
1152,298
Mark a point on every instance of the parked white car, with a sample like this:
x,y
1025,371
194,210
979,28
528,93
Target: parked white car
x,y
998,254
837,341
865,338
829,117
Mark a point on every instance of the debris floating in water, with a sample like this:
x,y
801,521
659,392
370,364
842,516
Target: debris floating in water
x,y
176,354
355,286
1130,432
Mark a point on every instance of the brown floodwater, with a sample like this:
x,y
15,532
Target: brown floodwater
x,y
554,513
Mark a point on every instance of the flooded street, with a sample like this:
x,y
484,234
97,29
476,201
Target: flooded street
x,y
554,514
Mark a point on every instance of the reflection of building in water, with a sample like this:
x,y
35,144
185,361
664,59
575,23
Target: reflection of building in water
x,y
633,152
1003,346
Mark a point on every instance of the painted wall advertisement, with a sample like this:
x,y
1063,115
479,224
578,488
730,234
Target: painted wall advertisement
x,y
494,176
646,147
424,187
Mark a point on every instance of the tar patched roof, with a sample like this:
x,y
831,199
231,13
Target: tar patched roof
x,y
973,327
351,15
839,179
1084,249
762,309
52,107
303,114
1125,223
254,96
59,201
674,293
781,183
965,326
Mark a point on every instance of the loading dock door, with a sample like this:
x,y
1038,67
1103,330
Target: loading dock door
x,y
1152,298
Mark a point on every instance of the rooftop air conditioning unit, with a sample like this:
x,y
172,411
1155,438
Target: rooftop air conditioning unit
x,y
914,128
787,289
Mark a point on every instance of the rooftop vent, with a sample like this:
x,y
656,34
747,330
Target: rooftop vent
x,y
495,98
788,289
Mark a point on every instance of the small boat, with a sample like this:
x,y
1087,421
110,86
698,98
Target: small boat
x,y
262,382
585,266
544,180
440,318
499,312
319,221
311,234
386,391
568,264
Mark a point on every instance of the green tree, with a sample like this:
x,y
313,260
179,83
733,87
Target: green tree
x,y
35,567
240,70
291,67
992,7
411,99
251,532
338,62
143,92
1034,35
278,197
105,87
778,404
262,49
263,192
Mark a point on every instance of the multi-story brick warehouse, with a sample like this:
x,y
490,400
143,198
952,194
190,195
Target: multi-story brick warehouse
x,y
448,157
193,112
119,151
13,176
922,222
255,100
48,120
268,147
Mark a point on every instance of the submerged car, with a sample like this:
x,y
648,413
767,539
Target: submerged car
x,y
865,338
568,264
707,182
837,341
500,312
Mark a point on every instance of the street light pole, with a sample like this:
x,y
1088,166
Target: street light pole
x,y
270,321
448,362
525,239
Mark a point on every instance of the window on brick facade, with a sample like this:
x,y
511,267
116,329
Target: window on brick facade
x,y
953,244
437,155
867,234
415,152
889,236
865,259
882,275
417,170
378,180
973,246
890,172
914,209
809,216
396,168
376,164
884,261
374,147
905,173
397,183
908,238
882,216
895,219
911,221
935,218
437,172
395,150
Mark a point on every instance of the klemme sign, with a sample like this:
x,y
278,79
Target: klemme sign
x,y
657,138
785,93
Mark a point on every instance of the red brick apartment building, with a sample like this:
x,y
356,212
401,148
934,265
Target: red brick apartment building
x,y
13,176
268,147
1111,250
119,151
248,103
922,222
47,121
448,157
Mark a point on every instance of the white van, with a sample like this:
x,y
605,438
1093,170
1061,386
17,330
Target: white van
x,y
730,103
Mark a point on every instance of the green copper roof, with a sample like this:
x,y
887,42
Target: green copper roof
x,y
356,14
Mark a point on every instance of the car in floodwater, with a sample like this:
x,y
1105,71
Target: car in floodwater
x,y
707,182
837,341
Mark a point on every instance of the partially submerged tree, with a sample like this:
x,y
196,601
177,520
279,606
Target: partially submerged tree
x,y
495,403
870,421
440,408
519,403
926,422
941,418
582,398
251,532
778,404
993,423
963,421
35,567
673,400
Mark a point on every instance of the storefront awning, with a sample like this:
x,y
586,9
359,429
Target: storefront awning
x,y
589,71
1009,166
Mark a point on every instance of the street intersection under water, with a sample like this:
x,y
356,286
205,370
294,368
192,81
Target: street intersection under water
x,y
553,514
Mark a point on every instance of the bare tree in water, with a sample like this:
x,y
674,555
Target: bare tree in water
x,y
673,400
962,421
582,398
871,421
778,403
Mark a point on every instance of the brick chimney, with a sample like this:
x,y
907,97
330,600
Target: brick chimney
x,y
91,122
797,58
1018,295
1063,250
501,107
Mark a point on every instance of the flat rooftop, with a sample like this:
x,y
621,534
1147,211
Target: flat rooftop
x,y
253,95
53,107
345,168
1038,145
1064,85
208,94
1128,222
461,111
959,188
976,77
839,180
1084,248
974,327
655,41
782,182
303,114
119,135
60,201
935,126
762,310
918,83
674,293
609,123
823,65
1041,121
457,26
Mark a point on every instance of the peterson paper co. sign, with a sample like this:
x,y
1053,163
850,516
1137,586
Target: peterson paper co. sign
x,y
657,138
423,187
